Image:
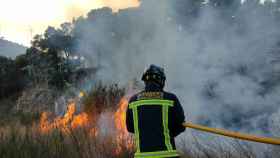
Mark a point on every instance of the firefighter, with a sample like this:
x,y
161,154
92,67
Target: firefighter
x,y
155,117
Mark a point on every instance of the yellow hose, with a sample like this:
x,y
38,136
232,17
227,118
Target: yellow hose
x,y
232,134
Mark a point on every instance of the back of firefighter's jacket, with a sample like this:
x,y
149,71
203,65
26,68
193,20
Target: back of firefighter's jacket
x,y
155,117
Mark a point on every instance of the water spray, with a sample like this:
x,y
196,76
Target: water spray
x,y
232,134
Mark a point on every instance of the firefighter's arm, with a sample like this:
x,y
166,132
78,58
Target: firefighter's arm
x,y
129,120
178,118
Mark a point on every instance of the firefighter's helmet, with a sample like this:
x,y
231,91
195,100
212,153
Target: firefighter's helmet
x,y
154,74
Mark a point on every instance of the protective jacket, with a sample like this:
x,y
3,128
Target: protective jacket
x,y
155,117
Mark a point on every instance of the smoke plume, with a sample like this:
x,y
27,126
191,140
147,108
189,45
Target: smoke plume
x,y
223,72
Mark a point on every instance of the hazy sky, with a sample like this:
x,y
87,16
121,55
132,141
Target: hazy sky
x,y
22,19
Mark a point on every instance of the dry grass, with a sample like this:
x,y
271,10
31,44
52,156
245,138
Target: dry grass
x,y
29,142
24,142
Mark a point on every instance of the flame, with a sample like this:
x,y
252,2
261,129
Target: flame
x,y
65,123
120,123
82,94
120,116
71,121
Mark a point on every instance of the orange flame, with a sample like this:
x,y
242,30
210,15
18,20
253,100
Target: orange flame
x,y
68,121
120,116
120,123
71,121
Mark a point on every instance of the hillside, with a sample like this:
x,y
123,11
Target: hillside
x,y
10,49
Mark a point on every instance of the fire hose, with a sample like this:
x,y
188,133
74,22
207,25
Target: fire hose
x,y
232,134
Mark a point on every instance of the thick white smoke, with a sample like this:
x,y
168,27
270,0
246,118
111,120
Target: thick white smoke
x,y
222,72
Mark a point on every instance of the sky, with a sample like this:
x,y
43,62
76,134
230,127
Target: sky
x,y
20,20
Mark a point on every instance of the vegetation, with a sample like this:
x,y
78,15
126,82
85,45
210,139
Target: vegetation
x,y
102,98
55,64
22,142
24,139
11,80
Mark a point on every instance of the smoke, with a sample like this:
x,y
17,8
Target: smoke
x,y
221,71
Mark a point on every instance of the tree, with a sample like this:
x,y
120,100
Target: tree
x,y
11,78
49,56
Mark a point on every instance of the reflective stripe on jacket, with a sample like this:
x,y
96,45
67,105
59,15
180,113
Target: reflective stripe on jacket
x,y
155,118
